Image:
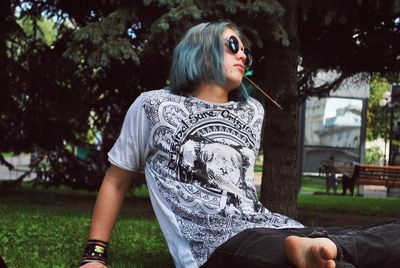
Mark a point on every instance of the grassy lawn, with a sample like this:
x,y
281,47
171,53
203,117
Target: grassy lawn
x,y
55,238
48,228
328,210
347,204
389,207
312,184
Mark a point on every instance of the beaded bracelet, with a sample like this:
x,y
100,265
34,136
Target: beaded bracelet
x,y
95,251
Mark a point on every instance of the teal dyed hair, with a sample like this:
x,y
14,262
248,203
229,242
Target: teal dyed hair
x,y
198,58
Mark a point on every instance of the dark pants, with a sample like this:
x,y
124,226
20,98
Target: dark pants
x,y
347,183
363,246
2,264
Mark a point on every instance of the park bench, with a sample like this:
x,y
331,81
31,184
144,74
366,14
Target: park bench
x,y
388,176
361,174
334,172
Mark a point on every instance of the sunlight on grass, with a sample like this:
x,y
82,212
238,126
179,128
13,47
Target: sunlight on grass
x,y
312,184
44,234
47,233
369,206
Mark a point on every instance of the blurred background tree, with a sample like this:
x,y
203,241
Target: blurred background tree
x,y
70,70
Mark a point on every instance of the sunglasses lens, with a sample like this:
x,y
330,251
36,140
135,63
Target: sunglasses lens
x,y
233,44
249,57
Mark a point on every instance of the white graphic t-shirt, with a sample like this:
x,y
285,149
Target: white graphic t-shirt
x,y
199,159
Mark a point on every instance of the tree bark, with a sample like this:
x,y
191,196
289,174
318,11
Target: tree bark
x,y
280,144
5,11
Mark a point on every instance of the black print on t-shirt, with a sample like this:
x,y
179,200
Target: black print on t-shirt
x,y
211,164
201,162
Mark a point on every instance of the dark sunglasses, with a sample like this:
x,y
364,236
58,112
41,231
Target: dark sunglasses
x,y
233,45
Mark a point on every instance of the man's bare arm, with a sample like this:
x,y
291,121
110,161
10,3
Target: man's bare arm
x,y
109,200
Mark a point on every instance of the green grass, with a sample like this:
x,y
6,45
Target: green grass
x,y
312,184
258,168
370,206
43,230
30,237
36,238
48,227
389,207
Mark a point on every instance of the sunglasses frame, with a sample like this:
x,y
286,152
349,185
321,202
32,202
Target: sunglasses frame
x,y
233,46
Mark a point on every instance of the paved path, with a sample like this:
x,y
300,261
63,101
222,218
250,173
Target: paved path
x,y
257,180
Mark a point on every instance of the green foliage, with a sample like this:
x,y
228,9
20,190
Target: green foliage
x,y
271,8
45,29
377,116
337,35
373,155
186,10
95,58
100,42
73,72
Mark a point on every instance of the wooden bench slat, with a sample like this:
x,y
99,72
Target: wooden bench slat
x,y
388,176
373,176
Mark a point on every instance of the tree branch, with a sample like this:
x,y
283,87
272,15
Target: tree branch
x,y
307,90
4,162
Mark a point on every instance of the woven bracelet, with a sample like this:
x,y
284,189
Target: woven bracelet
x,y
95,251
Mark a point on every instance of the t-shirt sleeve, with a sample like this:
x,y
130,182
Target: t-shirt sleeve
x,y
258,122
131,148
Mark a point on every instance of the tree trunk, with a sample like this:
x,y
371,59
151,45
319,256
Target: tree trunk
x,y
4,15
280,143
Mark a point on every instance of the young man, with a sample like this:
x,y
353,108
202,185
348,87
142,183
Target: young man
x,y
198,140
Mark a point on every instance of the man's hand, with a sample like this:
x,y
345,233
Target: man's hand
x,y
93,264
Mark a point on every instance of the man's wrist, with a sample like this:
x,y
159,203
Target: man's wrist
x,y
95,251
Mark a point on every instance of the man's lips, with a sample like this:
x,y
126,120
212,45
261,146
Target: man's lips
x,y
240,66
